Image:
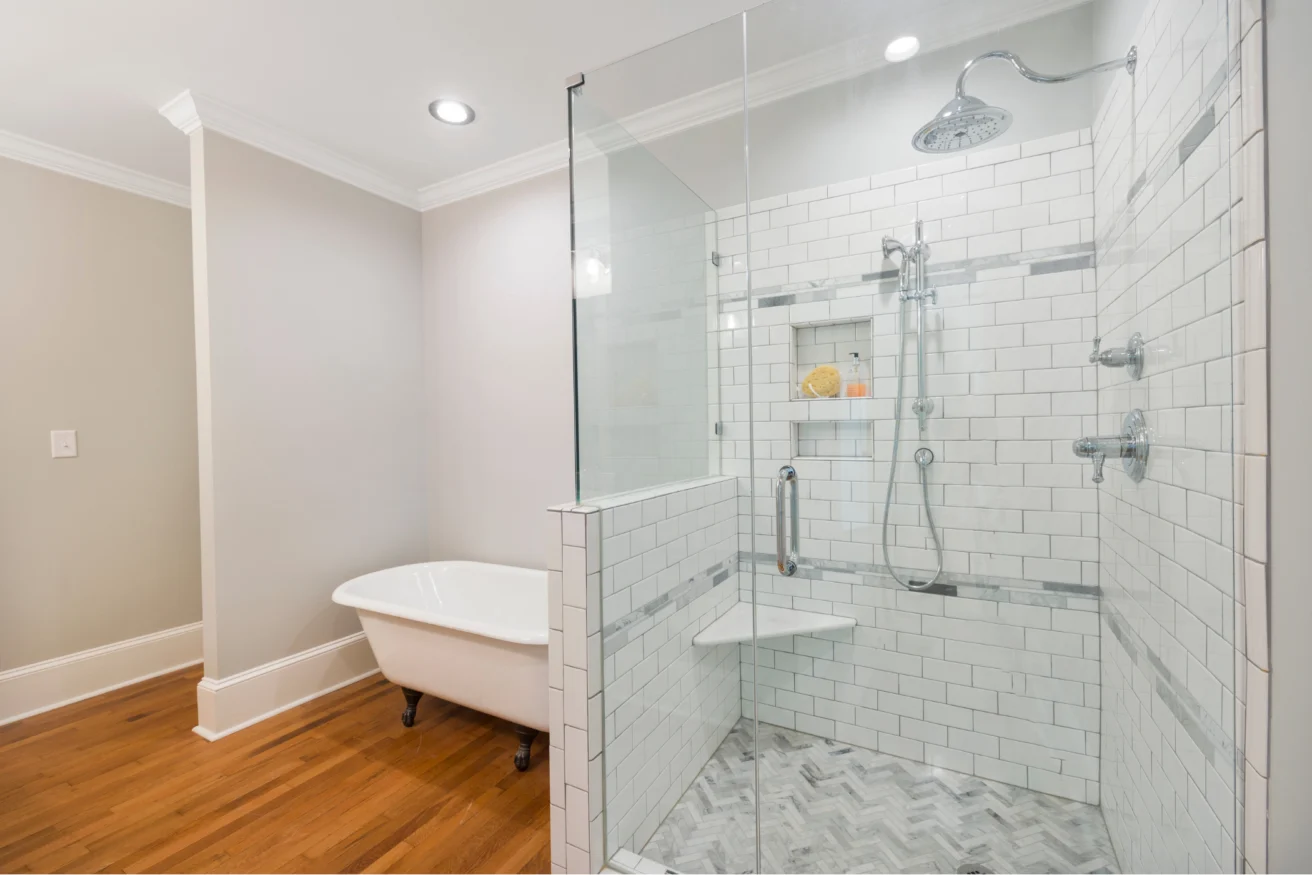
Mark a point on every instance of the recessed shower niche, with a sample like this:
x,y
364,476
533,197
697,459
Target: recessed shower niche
x,y
837,439
831,360
830,374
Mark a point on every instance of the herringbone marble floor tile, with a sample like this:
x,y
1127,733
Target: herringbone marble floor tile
x,y
832,807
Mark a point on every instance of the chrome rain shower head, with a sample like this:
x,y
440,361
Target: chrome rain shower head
x,y
965,121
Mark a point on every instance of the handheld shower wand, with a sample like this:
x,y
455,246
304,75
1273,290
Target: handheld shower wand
x,y
922,406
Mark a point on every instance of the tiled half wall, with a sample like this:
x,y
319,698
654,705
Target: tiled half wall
x,y
640,575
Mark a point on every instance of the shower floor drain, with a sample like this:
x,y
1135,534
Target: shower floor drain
x,y
974,869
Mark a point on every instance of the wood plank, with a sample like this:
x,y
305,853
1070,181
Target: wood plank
x,y
120,783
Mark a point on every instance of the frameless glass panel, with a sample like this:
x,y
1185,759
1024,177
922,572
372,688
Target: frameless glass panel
x,y
642,267
654,424
1172,659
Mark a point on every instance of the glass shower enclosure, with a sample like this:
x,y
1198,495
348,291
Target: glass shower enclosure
x,y
904,390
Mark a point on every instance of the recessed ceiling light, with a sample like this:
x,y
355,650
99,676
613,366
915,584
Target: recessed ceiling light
x,y
902,48
453,112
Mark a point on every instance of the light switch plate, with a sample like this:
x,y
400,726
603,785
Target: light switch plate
x,y
63,444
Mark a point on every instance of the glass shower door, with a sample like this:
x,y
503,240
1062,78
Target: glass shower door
x,y
922,326
838,688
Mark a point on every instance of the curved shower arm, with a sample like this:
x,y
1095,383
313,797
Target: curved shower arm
x,y
1128,62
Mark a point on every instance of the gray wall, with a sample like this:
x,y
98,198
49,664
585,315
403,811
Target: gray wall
x,y
1289,82
499,369
310,384
95,335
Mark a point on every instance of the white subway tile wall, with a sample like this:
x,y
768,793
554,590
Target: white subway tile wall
x,y
669,568
1173,241
1000,689
1006,361
1007,690
574,688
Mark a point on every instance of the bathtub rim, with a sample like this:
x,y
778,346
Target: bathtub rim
x,y
343,595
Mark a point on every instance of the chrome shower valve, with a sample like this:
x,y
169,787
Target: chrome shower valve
x,y
1129,356
1131,447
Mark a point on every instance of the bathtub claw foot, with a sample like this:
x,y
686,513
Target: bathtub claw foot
x,y
411,705
522,755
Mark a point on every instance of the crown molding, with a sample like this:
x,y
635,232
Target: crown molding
x,y
182,113
190,111
74,164
526,165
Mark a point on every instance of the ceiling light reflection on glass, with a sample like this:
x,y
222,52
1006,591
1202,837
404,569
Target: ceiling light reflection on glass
x,y
901,49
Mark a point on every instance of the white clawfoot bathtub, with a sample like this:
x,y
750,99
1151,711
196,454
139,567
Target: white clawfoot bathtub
x,y
468,632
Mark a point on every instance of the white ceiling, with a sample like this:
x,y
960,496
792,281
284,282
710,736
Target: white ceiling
x,y
353,76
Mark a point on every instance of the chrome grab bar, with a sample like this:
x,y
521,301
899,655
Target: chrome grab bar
x,y
787,559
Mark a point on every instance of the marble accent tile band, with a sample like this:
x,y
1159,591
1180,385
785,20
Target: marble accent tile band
x,y
1194,137
615,635
1073,256
1211,738
1172,159
977,586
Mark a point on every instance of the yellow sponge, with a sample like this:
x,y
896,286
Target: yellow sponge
x,y
822,382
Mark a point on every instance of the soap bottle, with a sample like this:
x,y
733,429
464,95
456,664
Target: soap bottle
x,y
856,385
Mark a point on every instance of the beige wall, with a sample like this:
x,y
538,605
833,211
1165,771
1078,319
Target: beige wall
x,y
499,370
95,335
310,382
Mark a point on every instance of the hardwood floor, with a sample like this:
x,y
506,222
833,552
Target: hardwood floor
x,y
120,783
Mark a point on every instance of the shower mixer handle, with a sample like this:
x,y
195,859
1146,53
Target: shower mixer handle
x,y
1096,450
1131,447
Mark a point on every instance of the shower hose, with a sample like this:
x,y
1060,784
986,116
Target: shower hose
x,y
923,459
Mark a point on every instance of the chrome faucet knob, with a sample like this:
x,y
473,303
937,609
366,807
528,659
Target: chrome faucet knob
x,y
1129,356
1098,460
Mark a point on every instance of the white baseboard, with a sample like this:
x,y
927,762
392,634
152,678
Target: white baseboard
x,y
42,686
231,704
